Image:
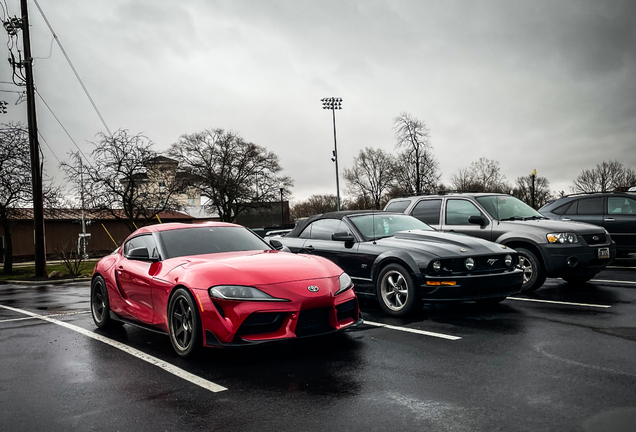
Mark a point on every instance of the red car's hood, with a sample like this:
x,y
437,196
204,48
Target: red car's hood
x,y
249,268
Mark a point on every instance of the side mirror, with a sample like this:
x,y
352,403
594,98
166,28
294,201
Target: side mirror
x,y
343,236
140,253
276,244
478,220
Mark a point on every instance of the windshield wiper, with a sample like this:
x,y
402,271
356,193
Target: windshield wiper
x,y
513,218
537,217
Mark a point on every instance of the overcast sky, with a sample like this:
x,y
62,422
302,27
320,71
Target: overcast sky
x,y
545,85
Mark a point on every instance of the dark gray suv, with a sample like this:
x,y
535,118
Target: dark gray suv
x,y
614,211
572,251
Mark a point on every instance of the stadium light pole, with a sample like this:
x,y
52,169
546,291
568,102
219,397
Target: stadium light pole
x,y
334,104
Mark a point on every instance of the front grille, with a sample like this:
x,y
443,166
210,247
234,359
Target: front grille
x,y
346,310
261,322
313,322
593,239
483,264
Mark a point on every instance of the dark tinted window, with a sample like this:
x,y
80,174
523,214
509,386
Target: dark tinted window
x,y
397,206
562,208
591,206
205,240
573,209
458,212
146,241
428,211
322,229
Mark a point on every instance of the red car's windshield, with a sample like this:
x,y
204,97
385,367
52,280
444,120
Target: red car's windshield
x,y
205,240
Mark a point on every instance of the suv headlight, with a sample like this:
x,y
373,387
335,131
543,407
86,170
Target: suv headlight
x,y
345,283
239,292
562,238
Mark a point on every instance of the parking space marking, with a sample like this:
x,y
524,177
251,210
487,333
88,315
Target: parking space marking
x,y
410,330
621,267
558,302
612,281
52,315
208,385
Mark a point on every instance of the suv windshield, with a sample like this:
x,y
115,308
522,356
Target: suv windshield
x,y
378,225
205,240
504,207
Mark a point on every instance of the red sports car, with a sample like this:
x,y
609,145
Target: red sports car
x,y
219,284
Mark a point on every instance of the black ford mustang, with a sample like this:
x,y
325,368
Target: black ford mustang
x,y
403,261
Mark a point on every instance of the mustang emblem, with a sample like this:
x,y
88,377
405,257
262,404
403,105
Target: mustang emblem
x,y
596,238
492,261
312,288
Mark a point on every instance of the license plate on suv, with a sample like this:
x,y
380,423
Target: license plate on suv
x,y
603,253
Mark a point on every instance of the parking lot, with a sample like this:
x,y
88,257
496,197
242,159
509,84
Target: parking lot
x,y
561,358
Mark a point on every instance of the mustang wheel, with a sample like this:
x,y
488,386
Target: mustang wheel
x,y
100,307
533,273
396,291
184,324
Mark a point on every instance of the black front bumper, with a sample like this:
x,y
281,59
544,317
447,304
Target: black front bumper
x,y
472,287
561,260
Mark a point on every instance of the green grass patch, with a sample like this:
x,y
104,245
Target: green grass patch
x,y
26,273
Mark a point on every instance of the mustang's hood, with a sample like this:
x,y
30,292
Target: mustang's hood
x,y
548,225
442,244
251,268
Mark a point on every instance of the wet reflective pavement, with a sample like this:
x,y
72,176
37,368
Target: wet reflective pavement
x,y
565,362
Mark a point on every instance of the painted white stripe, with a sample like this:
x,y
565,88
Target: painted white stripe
x,y
612,281
410,330
622,267
558,302
53,315
208,385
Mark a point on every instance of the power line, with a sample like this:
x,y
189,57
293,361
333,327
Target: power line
x,y
73,68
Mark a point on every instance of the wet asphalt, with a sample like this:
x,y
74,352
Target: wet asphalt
x,y
560,362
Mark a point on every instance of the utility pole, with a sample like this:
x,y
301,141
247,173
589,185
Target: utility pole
x,y
36,173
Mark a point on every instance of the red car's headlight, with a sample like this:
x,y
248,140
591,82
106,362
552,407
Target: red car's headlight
x,y
239,292
345,283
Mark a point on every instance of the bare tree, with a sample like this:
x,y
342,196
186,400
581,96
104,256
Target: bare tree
x,y
406,175
371,176
421,169
235,174
124,180
315,204
484,175
523,190
606,177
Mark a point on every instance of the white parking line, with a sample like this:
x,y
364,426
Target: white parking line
x,y
208,385
558,302
410,330
53,315
621,267
612,281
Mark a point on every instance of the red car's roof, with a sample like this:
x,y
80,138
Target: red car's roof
x,y
177,225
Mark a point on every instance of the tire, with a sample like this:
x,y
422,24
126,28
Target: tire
x,y
533,271
184,324
100,305
577,279
396,291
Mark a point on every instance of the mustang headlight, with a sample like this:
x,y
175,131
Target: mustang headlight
x,y
564,238
508,260
345,283
469,263
437,266
239,292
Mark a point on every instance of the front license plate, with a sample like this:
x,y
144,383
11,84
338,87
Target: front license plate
x,y
603,253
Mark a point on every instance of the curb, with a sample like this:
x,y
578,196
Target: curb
x,y
43,281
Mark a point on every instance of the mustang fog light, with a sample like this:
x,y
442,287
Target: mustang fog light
x,y
437,266
508,260
469,263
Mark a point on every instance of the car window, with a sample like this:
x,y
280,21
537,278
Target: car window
x,y
146,241
377,225
506,207
397,206
210,239
560,210
458,212
621,205
322,229
591,206
573,209
428,211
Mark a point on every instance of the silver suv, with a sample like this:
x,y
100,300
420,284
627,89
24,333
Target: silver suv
x,y
572,251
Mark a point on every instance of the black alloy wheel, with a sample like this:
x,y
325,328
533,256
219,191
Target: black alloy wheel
x,y
184,323
100,306
533,272
396,291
